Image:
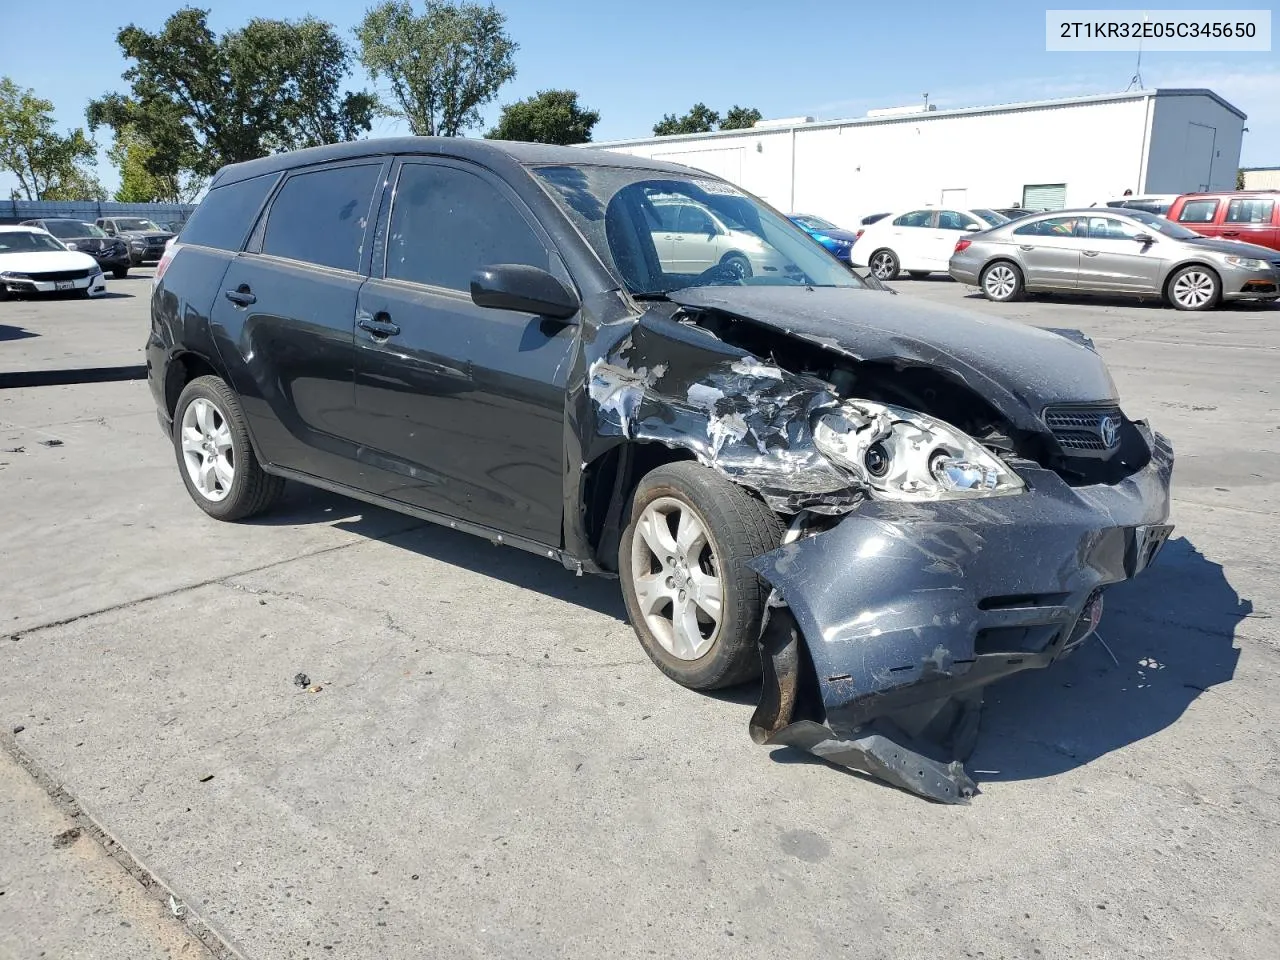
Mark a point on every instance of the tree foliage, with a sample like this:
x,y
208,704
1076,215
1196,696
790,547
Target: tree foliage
x,y
48,165
702,119
131,155
442,65
200,101
550,116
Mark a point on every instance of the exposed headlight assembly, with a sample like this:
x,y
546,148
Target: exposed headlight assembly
x,y
903,455
1247,263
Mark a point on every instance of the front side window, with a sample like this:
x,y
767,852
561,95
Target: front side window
x,y
955,220
613,208
1198,211
320,216
1052,227
916,218
993,217
1241,210
695,220
447,223
1106,228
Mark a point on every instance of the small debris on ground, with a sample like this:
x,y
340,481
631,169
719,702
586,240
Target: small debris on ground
x,y
14,450
66,838
50,443
206,778
302,680
19,728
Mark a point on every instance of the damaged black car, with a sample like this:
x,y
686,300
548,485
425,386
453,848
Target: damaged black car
x,y
880,505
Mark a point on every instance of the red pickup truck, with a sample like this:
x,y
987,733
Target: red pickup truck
x,y
1252,216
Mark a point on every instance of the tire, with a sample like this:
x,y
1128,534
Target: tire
x,y
251,490
884,264
1194,288
1002,282
734,528
119,273
738,264
134,261
918,274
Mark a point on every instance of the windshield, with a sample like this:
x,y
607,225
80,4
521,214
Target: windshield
x,y
993,218
659,232
1167,227
816,223
27,241
134,223
72,228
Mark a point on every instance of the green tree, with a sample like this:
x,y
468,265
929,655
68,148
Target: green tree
x,y
699,119
550,116
48,165
740,118
1240,179
442,66
131,154
200,101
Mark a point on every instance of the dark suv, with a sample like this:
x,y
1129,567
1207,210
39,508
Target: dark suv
x,y
146,239
897,502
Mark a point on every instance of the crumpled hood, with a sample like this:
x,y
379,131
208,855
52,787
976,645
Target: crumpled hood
x,y
1017,368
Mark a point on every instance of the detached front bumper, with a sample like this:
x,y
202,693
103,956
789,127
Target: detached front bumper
x,y
905,611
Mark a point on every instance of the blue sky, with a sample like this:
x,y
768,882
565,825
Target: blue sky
x,y
633,62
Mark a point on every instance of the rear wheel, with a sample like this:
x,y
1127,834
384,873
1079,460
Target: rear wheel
x,y
215,457
884,264
1194,288
1002,282
695,605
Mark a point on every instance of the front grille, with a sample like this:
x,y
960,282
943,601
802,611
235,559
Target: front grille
x,y
1079,429
53,275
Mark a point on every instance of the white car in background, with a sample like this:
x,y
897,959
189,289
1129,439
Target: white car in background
x,y
35,261
918,241
691,238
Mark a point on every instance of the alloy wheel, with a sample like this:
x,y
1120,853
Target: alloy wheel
x,y
207,449
678,585
1000,282
1194,289
882,265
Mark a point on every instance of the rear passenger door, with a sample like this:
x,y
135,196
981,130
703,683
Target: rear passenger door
x,y
460,408
287,306
1252,220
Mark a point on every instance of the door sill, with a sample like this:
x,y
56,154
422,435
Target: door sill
x,y
496,537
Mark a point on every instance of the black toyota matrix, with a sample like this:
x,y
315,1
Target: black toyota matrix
x,y
883,505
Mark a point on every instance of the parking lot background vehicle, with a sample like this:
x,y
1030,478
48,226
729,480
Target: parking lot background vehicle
x,y
1157,203
1112,252
1247,216
146,239
111,253
918,241
33,261
836,239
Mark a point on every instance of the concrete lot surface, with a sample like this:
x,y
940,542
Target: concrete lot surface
x,y
485,764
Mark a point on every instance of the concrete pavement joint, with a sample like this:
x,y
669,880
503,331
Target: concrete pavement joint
x,y
217,945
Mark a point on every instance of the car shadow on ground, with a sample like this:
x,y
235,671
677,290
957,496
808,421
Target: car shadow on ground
x,y
1172,629
1142,303
8,332
517,567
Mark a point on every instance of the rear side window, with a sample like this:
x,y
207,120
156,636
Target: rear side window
x,y
447,223
320,217
227,214
1198,211
1241,210
916,218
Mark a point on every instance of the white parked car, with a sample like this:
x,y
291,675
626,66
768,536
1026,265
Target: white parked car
x,y
691,238
919,241
35,261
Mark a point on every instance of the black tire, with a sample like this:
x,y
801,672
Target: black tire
x,y
119,273
252,490
739,528
918,274
135,261
738,263
1001,281
1194,287
884,264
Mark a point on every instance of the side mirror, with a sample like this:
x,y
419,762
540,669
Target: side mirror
x,y
524,289
973,227
1144,238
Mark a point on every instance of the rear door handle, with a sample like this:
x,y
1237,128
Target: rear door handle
x,y
1025,246
379,326
1090,253
1231,233
241,296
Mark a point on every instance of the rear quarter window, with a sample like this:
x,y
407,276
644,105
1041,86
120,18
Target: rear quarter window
x,y
227,215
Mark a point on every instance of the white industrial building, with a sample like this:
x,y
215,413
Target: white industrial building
x,y
1046,154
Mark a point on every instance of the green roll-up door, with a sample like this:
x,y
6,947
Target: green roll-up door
x,y
1044,196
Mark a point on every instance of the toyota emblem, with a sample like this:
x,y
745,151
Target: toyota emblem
x,y
1109,431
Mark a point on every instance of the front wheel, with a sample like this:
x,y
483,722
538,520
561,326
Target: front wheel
x,y
1194,288
120,272
215,457
738,265
696,606
1001,282
884,264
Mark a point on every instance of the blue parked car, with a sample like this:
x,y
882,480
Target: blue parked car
x,y
838,241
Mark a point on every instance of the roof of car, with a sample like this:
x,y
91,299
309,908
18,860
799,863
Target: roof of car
x,y
20,228
1231,193
462,147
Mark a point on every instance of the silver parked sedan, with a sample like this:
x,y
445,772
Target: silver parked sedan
x,y
1114,251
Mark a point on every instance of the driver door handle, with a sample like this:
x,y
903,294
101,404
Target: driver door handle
x,y
241,296
1025,246
1231,233
1090,253
379,326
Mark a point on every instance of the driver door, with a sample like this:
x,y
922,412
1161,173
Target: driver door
x,y
697,240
